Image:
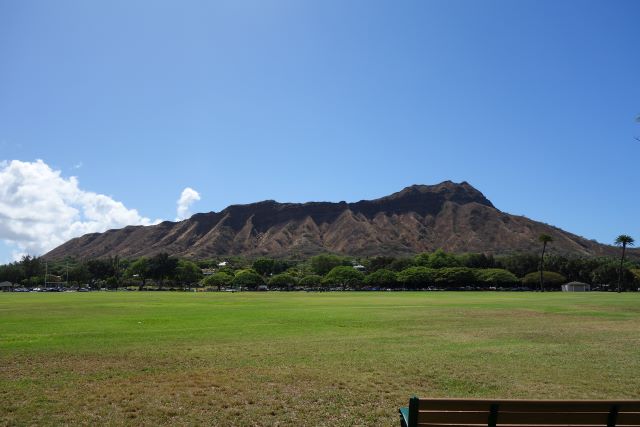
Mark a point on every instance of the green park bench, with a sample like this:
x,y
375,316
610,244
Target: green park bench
x,y
519,413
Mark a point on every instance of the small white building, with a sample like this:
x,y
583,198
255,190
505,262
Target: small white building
x,y
576,287
6,286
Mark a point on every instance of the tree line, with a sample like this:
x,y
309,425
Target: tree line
x,y
438,269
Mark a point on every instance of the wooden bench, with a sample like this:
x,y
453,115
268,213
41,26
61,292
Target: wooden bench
x,y
519,413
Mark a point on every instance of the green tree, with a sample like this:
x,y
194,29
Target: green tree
x,y
519,263
139,269
115,265
379,262
11,273
311,281
207,263
475,260
322,264
383,278
624,241
455,276
100,269
187,272
544,239
112,282
496,277
417,277
605,274
247,279
268,267
162,267
557,263
218,279
635,275
263,266
79,274
551,278
579,269
437,259
32,266
343,276
281,266
283,280
400,264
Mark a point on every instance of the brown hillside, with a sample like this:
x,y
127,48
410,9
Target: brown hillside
x,y
454,217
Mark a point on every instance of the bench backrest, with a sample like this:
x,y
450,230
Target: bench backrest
x,y
520,413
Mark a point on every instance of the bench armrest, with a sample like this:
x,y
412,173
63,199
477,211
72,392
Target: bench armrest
x,y
404,417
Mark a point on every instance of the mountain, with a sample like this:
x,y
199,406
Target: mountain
x,y
451,216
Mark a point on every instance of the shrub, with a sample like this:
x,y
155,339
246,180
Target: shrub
x,y
416,277
343,276
551,279
218,279
496,277
282,280
382,277
312,280
248,279
455,276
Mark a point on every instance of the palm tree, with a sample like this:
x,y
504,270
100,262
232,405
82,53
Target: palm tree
x,y
544,239
624,241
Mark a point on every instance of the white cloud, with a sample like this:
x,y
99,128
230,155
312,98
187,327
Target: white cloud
x,y
40,209
187,198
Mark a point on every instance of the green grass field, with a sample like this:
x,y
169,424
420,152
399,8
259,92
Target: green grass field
x,y
303,358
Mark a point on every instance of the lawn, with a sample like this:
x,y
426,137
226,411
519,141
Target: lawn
x,y
150,358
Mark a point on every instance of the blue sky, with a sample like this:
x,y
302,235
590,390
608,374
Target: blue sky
x,y
532,102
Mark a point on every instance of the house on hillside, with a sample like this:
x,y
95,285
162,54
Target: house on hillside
x,y
576,287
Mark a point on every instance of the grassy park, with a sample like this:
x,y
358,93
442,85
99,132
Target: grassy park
x,y
278,358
